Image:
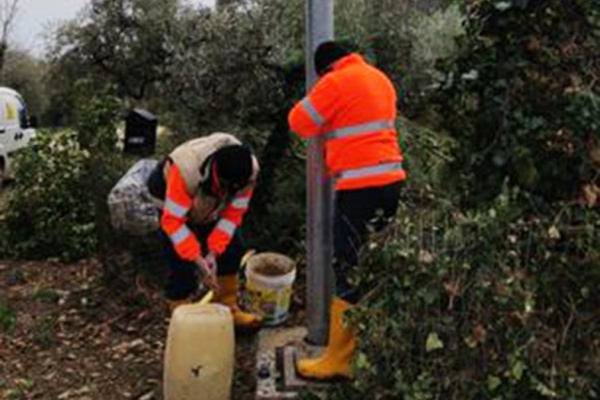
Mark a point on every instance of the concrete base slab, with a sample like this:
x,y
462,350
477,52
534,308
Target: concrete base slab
x,y
278,349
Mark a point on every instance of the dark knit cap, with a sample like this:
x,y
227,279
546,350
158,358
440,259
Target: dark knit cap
x,y
234,164
328,53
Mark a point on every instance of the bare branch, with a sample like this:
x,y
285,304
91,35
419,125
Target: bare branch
x,y
8,14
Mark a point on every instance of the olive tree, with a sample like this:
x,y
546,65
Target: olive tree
x,y
8,14
25,74
122,41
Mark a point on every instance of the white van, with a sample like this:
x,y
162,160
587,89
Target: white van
x,y
15,128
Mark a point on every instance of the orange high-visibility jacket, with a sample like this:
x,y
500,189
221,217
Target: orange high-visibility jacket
x,y
185,202
354,107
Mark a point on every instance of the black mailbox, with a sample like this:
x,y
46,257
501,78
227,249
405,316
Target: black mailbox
x,y
140,132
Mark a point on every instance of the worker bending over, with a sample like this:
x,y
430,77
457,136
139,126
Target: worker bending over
x,y
205,186
353,106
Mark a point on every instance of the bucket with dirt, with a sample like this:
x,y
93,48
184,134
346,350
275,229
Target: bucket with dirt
x,y
269,280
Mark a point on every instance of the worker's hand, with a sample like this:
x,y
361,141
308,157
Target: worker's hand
x,y
210,275
211,260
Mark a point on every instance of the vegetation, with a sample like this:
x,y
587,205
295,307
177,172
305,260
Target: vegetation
x,y
26,74
62,187
493,261
7,317
521,100
489,289
483,304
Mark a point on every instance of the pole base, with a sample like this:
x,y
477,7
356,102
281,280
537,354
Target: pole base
x,y
278,349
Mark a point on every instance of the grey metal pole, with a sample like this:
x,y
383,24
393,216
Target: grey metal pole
x,y
319,28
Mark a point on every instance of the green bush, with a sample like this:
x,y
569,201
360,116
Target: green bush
x,y
57,206
433,39
7,318
426,153
522,99
276,219
49,213
480,305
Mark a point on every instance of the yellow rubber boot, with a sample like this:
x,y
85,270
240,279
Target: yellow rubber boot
x,y
228,296
335,360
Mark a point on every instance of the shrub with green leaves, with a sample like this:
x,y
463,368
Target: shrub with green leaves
x,y
49,213
61,185
480,305
522,99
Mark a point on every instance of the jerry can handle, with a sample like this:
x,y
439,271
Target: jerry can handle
x,y
247,258
207,298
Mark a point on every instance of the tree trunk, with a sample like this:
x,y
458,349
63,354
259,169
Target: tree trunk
x,y
3,47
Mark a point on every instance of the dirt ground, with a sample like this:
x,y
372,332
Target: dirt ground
x,y
66,334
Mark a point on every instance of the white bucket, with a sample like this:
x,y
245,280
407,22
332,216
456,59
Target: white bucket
x,y
269,280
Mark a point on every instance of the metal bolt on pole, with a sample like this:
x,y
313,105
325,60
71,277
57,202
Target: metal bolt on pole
x,y
319,28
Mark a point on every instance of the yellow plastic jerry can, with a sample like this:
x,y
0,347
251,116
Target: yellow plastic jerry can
x,y
200,353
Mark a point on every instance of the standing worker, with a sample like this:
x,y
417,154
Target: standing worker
x,y
353,105
205,186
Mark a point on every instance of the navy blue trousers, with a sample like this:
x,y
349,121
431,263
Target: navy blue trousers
x,y
356,212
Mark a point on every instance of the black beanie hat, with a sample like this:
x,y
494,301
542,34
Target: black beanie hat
x,y
234,164
328,53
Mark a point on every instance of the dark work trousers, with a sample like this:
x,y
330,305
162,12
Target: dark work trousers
x,y
184,276
356,213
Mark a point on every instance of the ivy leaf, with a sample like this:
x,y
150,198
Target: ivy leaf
x,y
493,383
433,342
362,362
545,390
554,233
503,5
517,370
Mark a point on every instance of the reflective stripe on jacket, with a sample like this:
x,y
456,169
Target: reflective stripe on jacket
x,y
185,203
230,219
173,221
354,108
